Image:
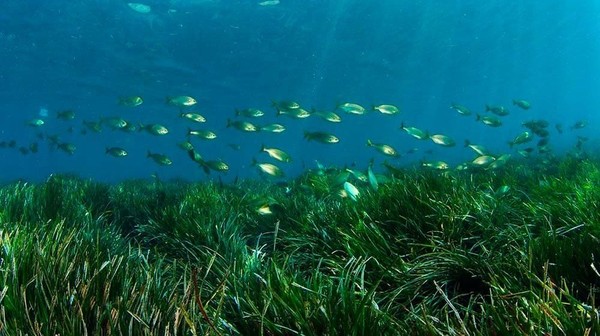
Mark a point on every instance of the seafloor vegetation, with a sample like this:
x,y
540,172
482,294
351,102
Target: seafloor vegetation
x,y
488,252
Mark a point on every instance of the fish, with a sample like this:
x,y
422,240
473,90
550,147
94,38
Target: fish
x,y
372,178
155,129
358,175
387,109
483,161
352,108
94,126
235,147
185,145
269,3
181,101
68,148
329,116
242,125
286,105
524,104
273,128
36,122
480,150
442,140
160,158
383,148
250,113
115,122
298,113
497,110
415,132
559,128
33,147
277,154
579,125
24,150
195,156
499,162
216,165
533,124
65,115
489,120
193,117
351,191
140,8
440,165
116,151
521,138
204,134
543,142
131,101
321,137
268,168
462,110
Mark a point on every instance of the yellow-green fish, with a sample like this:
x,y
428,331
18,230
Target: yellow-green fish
x,y
415,132
269,169
36,122
216,165
372,178
321,137
521,138
155,129
207,135
160,158
383,148
524,104
329,116
500,161
115,123
195,156
242,125
273,128
131,101
357,174
498,110
442,140
194,117
298,113
351,191
440,165
277,154
483,160
185,145
480,150
387,109
462,110
116,151
181,101
489,120
250,113
352,108
286,105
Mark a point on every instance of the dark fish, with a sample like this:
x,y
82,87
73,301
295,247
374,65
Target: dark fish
x,y
497,110
559,128
579,125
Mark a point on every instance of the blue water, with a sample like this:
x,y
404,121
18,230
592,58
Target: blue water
x,y
419,55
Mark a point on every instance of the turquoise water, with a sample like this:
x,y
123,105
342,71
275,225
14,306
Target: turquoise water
x,y
421,56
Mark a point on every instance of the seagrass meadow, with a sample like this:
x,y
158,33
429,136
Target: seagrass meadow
x,y
429,253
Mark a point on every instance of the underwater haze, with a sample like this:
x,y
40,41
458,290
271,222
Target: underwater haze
x,y
419,56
